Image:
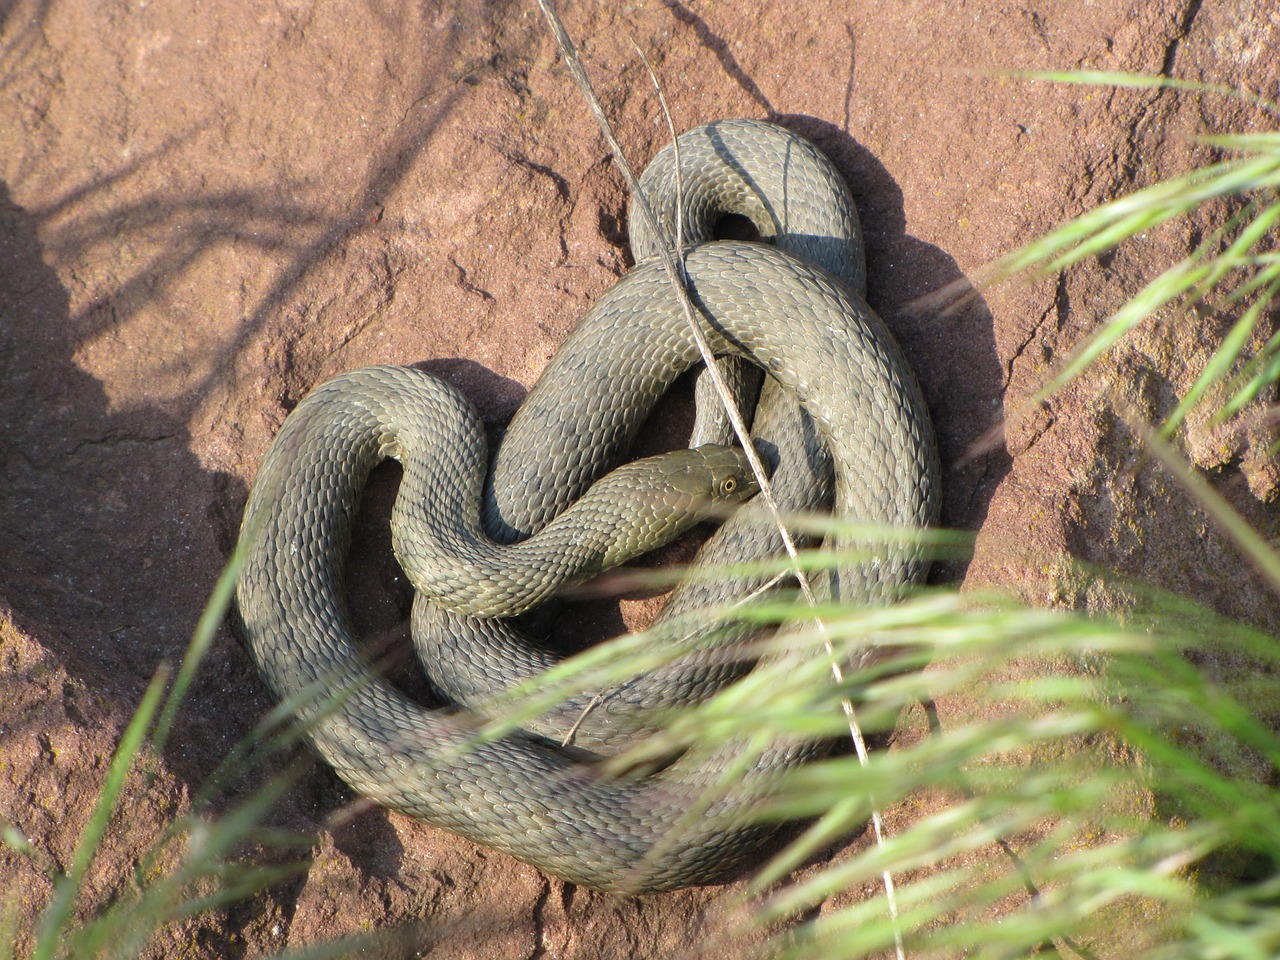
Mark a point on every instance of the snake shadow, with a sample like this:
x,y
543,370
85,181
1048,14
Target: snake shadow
x,y
953,354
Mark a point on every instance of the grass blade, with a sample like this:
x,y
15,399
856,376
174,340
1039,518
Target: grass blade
x,y
57,914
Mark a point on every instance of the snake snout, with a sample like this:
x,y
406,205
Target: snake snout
x,y
728,474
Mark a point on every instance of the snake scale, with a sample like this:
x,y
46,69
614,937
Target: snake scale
x,y
838,392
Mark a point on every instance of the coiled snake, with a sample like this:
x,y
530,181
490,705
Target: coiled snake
x,y
781,307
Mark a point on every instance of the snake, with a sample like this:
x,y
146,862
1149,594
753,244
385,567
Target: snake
x,y
791,306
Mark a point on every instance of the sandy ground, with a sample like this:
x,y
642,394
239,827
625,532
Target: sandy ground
x,y
206,209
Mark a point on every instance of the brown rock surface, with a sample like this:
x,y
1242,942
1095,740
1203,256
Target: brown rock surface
x,y
206,209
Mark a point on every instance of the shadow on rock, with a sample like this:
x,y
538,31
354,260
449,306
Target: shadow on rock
x,y
954,356
102,504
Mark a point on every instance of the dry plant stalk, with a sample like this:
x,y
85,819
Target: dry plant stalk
x,y
672,259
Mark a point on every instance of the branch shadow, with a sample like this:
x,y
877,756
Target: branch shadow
x,y
719,47
112,530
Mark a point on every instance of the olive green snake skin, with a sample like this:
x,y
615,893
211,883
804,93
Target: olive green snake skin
x,y
780,306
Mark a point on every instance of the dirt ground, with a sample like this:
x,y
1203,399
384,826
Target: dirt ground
x,y
206,209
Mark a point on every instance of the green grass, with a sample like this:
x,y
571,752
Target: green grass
x,y
200,862
1237,265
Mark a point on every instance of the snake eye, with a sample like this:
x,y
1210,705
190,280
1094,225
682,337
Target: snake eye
x,y
728,485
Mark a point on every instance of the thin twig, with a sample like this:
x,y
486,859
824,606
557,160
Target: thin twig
x,y
589,709
673,263
675,149
680,281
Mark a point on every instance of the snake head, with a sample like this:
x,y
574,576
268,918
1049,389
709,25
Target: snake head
x,y
697,483
726,472
680,488
647,503
712,475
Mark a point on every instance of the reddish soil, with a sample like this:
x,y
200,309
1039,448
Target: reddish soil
x,y
207,209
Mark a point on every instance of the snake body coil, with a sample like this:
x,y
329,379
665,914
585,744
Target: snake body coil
x,y
826,354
